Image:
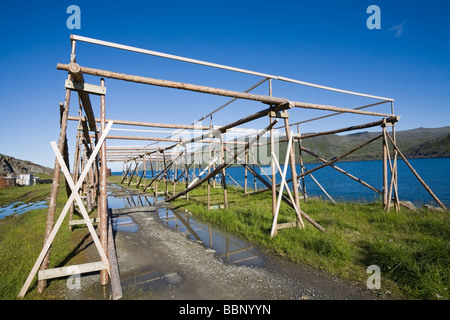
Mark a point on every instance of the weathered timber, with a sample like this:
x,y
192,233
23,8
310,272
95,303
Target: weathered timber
x,y
54,190
268,185
71,270
111,137
103,198
221,166
116,285
149,124
416,174
357,127
77,76
163,171
210,90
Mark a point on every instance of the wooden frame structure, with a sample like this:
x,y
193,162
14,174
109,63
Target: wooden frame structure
x,y
171,155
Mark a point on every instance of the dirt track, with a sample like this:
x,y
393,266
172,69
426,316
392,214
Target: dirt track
x,y
165,264
157,263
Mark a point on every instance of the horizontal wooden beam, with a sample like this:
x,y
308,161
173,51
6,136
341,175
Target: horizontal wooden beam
x,y
215,65
85,87
357,127
148,124
210,90
76,222
140,138
71,270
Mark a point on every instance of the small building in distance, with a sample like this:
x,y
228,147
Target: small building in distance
x,y
26,179
6,182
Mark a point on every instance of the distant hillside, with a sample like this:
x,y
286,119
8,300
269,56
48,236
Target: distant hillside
x,y
10,166
415,143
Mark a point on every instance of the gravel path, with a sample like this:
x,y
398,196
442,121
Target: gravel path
x,y
158,263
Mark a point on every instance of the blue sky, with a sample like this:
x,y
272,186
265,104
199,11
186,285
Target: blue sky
x,y
323,42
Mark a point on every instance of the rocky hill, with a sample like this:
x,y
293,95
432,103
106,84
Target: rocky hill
x,y
10,166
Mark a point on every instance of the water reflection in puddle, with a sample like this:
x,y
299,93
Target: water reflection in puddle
x,y
119,198
227,247
21,207
125,224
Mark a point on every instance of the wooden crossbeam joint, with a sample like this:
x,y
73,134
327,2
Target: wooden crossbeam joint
x,y
85,87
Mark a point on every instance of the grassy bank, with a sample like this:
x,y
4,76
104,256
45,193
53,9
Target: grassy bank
x,y
21,240
412,250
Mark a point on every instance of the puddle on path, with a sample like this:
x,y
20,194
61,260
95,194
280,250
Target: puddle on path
x,y
226,247
119,198
21,207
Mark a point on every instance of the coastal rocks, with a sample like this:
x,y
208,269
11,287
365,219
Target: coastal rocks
x,y
431,208
12,167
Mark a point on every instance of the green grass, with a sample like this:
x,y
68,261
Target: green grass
x,y
412,250
21,241
25,193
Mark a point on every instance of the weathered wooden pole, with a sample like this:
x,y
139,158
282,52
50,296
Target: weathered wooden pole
x,y
274,174
293,169
187,171
394,174
215,91
221,166
132,175
385,170
76,165
42,284
302,166
166,175
87,183
208,204
126,172
224,182
103,201
245,172
416,174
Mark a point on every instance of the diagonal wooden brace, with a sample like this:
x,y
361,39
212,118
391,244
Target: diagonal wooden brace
x,y
52,235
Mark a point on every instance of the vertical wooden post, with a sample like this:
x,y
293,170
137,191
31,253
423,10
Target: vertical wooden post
x,y
302,167
42,284
103,203
245,171
76,164
214,166
274,174
91,192
175,172
293,169
87,183
385,174
208,204
224,182
166,174
394,173
156,175
272,161
187,170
